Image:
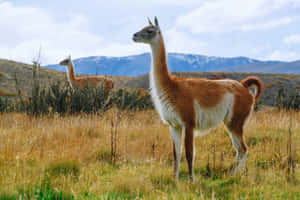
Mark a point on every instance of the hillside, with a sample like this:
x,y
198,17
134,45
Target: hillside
x,y
137,65
272,81
281,67
23,72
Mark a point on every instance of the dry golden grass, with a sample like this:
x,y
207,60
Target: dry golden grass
x,y
74,151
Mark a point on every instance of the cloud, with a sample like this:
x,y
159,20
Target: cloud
x,y
283,55
292,39
24,30
117,49
156,2
229,15
177,41
268,24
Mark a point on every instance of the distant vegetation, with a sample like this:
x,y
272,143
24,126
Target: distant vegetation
x,y
286,100
44,91
61,98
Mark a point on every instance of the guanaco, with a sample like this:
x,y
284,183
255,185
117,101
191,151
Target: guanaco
x,y
83,81
194,106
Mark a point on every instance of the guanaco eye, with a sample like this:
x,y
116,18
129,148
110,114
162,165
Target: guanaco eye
x,y
149,31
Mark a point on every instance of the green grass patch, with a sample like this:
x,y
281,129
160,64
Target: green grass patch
x,y
43,191
65,168
8,196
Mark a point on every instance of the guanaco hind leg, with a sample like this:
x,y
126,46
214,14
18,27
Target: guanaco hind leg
x,y
240,147
190,150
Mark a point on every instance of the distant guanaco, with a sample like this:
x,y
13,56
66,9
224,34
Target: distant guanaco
x,y
83,81
195,105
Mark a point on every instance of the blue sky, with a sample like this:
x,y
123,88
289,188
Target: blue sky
x,y
261,29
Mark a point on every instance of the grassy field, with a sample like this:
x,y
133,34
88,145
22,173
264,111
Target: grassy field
x,y
69,157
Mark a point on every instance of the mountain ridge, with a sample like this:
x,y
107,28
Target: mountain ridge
x,y
136,65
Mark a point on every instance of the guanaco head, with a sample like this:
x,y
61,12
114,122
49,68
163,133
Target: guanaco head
x,y
66,61
148,34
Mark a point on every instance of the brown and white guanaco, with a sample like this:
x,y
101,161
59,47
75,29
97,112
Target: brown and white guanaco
x,y
194,106
83,81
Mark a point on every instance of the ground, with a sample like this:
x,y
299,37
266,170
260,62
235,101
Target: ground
x,y
69,157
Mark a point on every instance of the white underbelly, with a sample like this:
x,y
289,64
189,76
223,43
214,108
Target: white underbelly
x,y
209,118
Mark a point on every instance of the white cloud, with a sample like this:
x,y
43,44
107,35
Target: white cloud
x,y
268,24
228,15
292,39
283,55
117,49
24,30
177,41
155,2
178,3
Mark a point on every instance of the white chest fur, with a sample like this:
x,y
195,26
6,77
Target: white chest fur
x,y
165,109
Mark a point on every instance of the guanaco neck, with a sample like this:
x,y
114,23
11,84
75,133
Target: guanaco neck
x,y
159,70
71,73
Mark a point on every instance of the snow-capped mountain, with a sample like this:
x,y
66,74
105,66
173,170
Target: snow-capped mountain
x,y
140,64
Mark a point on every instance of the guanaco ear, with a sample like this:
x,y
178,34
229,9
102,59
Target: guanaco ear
x,y
156,22
149,21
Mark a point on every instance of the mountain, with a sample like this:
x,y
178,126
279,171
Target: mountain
x,y
140,64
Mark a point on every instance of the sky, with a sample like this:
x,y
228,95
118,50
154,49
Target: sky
x,y
259,29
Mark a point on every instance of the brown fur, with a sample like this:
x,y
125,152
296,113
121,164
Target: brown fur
x,y
90,81
253,80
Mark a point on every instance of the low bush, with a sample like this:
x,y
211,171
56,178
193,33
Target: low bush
x,y
288,100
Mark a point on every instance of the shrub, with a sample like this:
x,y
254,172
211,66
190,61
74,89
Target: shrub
x,y
132,100
88,100
287,99
60,98
4,104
